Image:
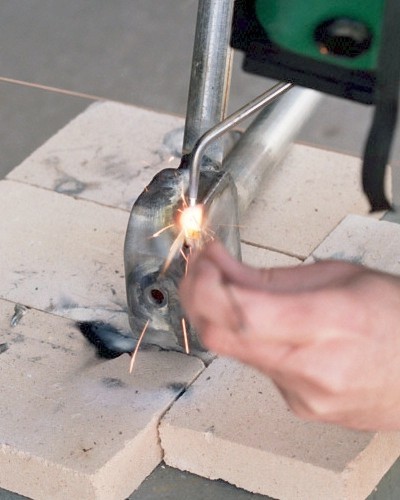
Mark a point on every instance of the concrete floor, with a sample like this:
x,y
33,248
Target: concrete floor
x,y
139,52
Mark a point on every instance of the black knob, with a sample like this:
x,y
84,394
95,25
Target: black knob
x,y
343,37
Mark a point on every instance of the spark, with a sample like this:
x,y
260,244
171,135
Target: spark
x,y
134,354
156,234
209,233
186,259
174,249
184,256
185,203
185,336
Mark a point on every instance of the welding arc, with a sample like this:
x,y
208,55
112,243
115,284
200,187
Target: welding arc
x,y
195,156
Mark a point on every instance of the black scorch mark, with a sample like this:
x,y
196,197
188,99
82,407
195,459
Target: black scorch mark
x,y
70,186
177,387
3,347
108,340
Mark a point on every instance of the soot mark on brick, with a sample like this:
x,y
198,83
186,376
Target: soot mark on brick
x,y
3,347
113,383
177,387
35,359
172,142
108,340
19,338
70,186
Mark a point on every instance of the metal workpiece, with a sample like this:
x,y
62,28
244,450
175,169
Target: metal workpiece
x,y
210,74
267,140
194,158
152,290
153,233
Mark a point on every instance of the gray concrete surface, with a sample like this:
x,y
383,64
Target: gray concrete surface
x,y
136,51
170,484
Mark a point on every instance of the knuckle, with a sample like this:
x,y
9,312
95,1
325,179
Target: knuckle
x,y
328,385
316,408
319,395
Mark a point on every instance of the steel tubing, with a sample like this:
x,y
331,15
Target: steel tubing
x,y
210,74
267,140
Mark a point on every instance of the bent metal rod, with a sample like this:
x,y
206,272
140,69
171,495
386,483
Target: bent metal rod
x,y
196,155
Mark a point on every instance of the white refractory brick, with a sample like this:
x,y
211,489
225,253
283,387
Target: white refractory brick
x,y
107,154
232,424
303,200
73,426
110,152
260,257
62,255
364,241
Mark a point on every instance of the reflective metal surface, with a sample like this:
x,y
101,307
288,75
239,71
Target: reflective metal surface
x,y
195,156
267,140
210,74
152,290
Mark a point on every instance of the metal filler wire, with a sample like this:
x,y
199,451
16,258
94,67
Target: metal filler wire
x,y
196,155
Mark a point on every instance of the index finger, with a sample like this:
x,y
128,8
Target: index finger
x,y
280,279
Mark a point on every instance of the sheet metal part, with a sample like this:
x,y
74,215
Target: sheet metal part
x,y
194,158
152,292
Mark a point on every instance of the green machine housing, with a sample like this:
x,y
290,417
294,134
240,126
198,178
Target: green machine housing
x,y
348,48
330,46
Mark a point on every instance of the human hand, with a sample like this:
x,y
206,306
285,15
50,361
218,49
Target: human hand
x,y
328,333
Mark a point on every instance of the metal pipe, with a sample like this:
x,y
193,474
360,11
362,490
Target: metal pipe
x,y
221,128
210,74
267,140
